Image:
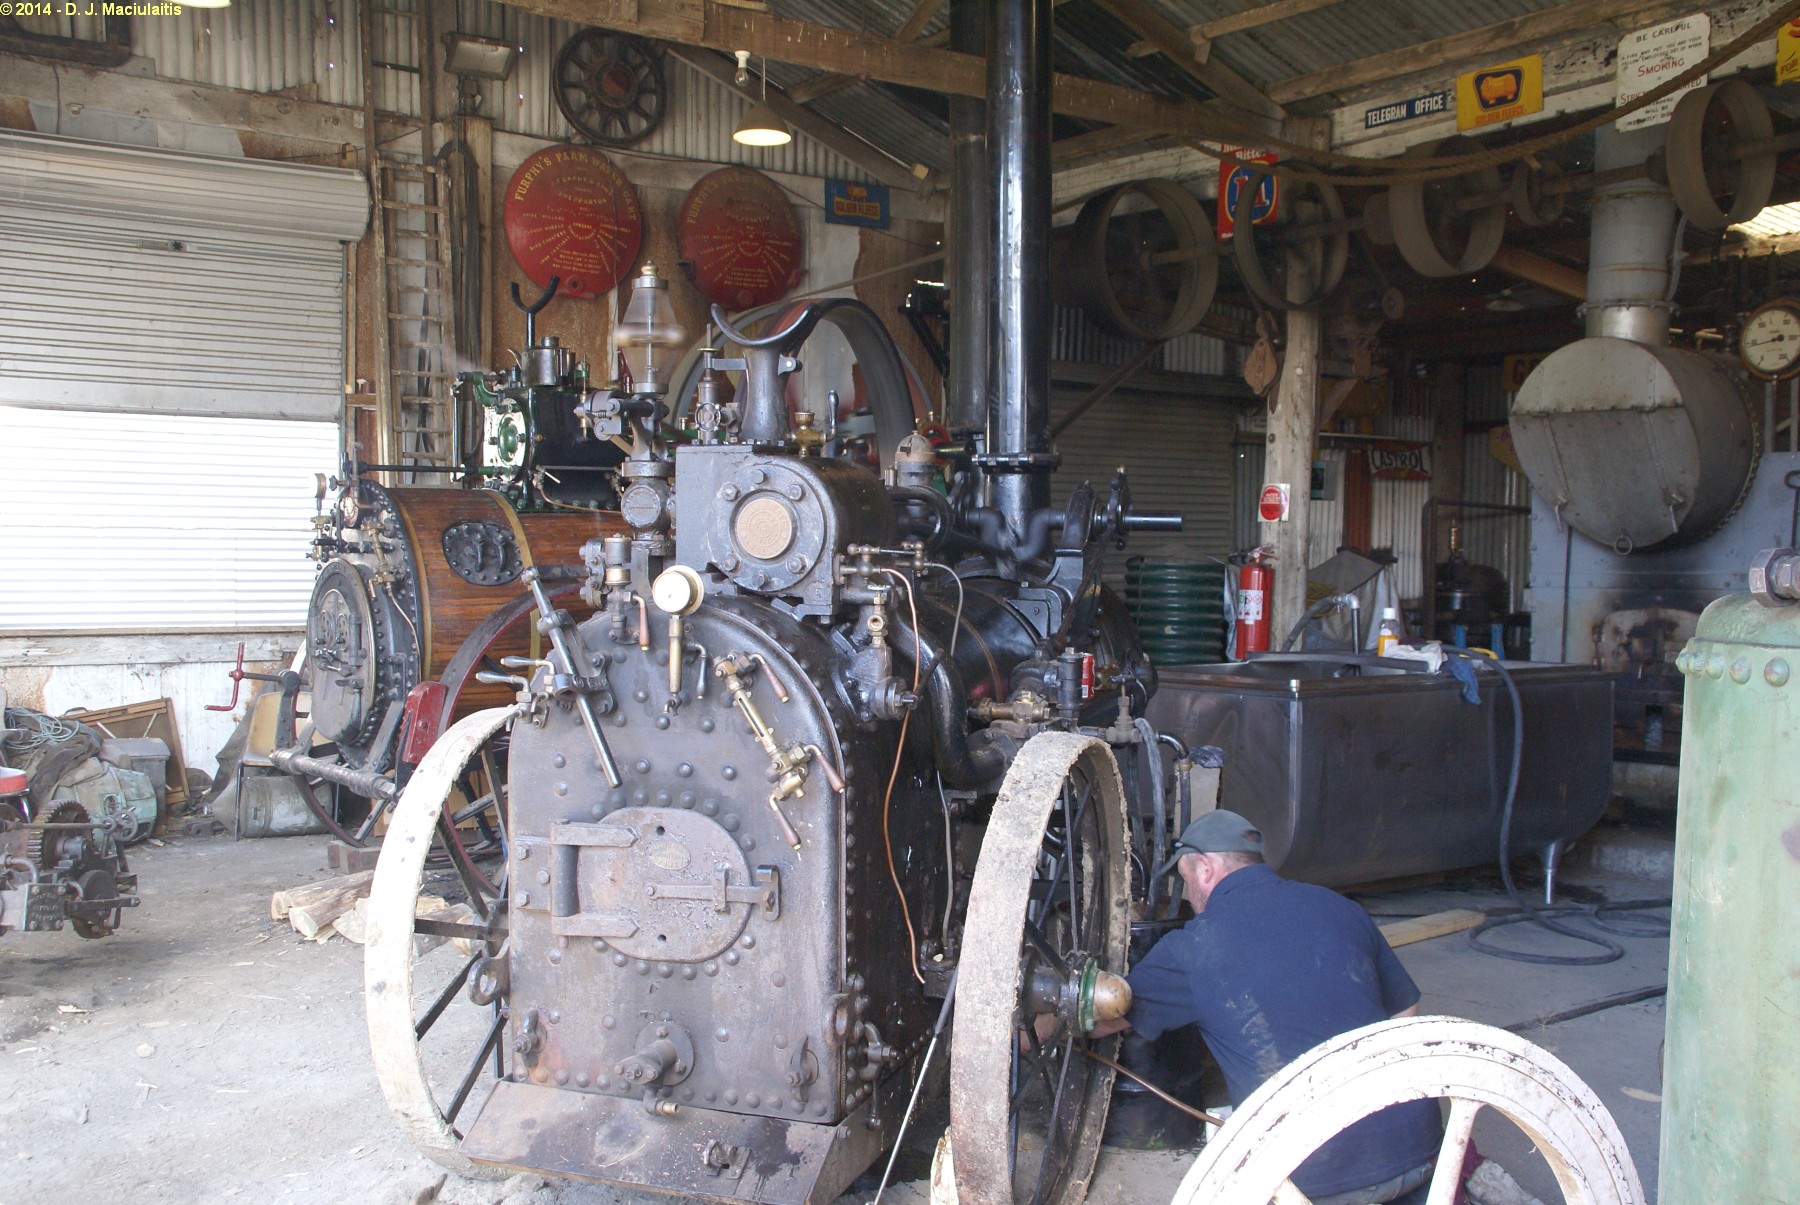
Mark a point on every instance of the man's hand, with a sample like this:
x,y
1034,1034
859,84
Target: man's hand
x,y
1105,1029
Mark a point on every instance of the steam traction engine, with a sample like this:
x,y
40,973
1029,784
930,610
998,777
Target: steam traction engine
x,y
826,752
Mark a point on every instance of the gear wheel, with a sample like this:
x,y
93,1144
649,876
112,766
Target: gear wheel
x,y
45,846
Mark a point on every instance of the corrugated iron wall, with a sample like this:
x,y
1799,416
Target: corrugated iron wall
x,y
312,47
1497,539
1397,508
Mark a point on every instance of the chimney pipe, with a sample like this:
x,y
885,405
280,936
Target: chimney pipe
x,y
971,233
1631,228
1018,88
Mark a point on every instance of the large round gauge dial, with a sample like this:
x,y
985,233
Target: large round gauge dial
x,y
1770,340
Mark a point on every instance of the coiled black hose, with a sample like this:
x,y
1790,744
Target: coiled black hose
x,y
1528,912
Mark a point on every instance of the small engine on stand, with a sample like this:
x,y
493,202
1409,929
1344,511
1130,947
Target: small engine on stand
x,y
533,452
59,867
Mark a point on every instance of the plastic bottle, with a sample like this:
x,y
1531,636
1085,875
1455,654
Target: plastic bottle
x,y
1388,634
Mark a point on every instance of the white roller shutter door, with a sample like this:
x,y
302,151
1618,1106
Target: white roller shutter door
x,y
140,279
171,377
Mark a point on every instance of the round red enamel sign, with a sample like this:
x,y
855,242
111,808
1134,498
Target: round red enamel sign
x,y
740,238
570,213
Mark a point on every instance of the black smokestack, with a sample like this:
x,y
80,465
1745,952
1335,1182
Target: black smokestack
x,y
1018,86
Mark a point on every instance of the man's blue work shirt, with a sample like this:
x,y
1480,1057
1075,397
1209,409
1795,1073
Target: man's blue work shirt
x,y
1269,970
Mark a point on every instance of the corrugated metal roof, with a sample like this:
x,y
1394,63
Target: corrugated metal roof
x,y
311,46
1339,33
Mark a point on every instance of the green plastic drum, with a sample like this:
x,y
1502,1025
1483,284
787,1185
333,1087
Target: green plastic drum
x,y
1731,1074
1179,609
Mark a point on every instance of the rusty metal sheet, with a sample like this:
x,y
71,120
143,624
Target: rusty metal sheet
x,y
739,238
571,214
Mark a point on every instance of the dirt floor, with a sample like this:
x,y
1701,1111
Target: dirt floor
x,y
208,1054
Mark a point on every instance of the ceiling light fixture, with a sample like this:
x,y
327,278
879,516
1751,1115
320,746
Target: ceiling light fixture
x,y
761,126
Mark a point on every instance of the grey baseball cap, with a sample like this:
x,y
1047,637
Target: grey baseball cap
x,y
1216,832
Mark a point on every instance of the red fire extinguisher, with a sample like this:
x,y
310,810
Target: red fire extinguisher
x,y
1256,587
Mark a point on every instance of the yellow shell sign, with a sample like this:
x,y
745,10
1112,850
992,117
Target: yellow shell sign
x,y
1500,93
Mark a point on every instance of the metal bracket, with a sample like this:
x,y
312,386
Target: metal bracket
x,y
719,891
724,1159
567,839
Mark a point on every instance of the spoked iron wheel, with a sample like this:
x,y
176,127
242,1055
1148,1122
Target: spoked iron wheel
x,y
1046,935
1476,1067
610,87
437,1021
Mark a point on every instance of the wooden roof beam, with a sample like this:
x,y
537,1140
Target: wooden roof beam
x,y
716,27
1180,49
1504,38
828,82
1204,34
1097,144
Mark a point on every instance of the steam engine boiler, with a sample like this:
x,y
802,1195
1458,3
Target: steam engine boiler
x,y
833,753
824,748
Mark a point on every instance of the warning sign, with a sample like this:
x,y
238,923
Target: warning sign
x,y
1272,507
1651,57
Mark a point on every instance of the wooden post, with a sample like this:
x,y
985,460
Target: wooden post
x,y
1294,422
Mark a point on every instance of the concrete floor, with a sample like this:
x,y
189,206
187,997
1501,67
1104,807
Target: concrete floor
x,y
206,1054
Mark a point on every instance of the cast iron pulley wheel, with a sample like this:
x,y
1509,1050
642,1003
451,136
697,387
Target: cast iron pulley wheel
x,y
610,86
436,1020
1050,897
1312,222
1452,226
1533,198
1476,1067
1721,168
1145,263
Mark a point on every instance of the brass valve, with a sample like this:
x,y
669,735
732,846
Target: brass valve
x,y
807,438
788,764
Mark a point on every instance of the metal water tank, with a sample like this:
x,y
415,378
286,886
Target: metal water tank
x,y
1636,446
1731,1083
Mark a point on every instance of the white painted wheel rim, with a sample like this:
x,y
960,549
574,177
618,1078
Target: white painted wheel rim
x,y
1341,1081
388,947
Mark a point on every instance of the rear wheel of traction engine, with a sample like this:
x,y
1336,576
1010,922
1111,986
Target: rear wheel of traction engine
x,y
1050,899
437,1021
1339,1082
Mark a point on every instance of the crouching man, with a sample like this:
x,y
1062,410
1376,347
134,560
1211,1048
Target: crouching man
x,y
1268,969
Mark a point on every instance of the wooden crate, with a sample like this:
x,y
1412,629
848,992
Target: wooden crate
x,y
153,718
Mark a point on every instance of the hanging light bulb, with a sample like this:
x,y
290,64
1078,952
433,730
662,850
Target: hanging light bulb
x,y
762,126
647,324
743,71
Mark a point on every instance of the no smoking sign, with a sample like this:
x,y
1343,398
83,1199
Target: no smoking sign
x,y
1272,506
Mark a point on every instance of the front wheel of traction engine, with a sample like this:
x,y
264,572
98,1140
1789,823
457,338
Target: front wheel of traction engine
x,y
1048,917
437,1020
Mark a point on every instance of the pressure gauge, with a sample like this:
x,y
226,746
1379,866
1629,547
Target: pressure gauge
x,y
1769,344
